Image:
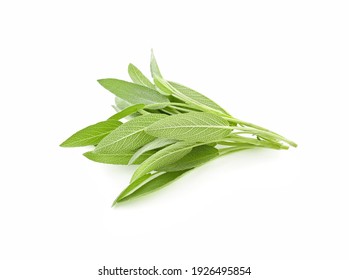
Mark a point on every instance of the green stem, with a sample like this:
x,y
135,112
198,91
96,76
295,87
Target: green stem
x,y
266,133
234,140
235,120
258,129
185,105
262,139
170,111
143,112
225,151
181,109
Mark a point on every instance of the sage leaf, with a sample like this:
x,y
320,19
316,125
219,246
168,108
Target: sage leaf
x,y
154,68
151,186
196,157
131,188
122,158
121,105
138,78
126,112
162,158
155,73
155,144
189,96
129,136
163,86
133,93
197,97
194,127
91,135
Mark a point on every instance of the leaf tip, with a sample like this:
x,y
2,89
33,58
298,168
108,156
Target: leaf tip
x,y
65,144
90,155
86,154
115,202
104,82
134,178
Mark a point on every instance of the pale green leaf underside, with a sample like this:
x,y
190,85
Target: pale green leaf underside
x,y
196,157
121,158
154,68
189,96
152,185
162,158
91,135
129,136
138,77
132,93
155,144
162,86
122,104
198,97
194,127
155,72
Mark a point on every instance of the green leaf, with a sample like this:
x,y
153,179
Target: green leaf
x,y
194,126
133,93
121,105
156,106
138,78
154,68
150,186
162,158
129,136
121,158
155,72
157,143
197,97
163,87
131,188
196,157
189,96
92,134
126,112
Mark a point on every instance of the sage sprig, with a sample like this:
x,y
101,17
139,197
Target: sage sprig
x,y
167,129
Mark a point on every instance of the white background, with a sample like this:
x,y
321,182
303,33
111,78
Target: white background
x,y
280,64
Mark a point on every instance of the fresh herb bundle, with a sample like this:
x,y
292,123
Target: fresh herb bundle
x,y
168,129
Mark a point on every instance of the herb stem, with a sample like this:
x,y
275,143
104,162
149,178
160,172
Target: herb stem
x,y
181,109
265,133
233,141
170,111
258,129
235,120
225,151
182,105
143,112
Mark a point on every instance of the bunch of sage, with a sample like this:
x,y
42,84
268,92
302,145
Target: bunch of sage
x,y
166,129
